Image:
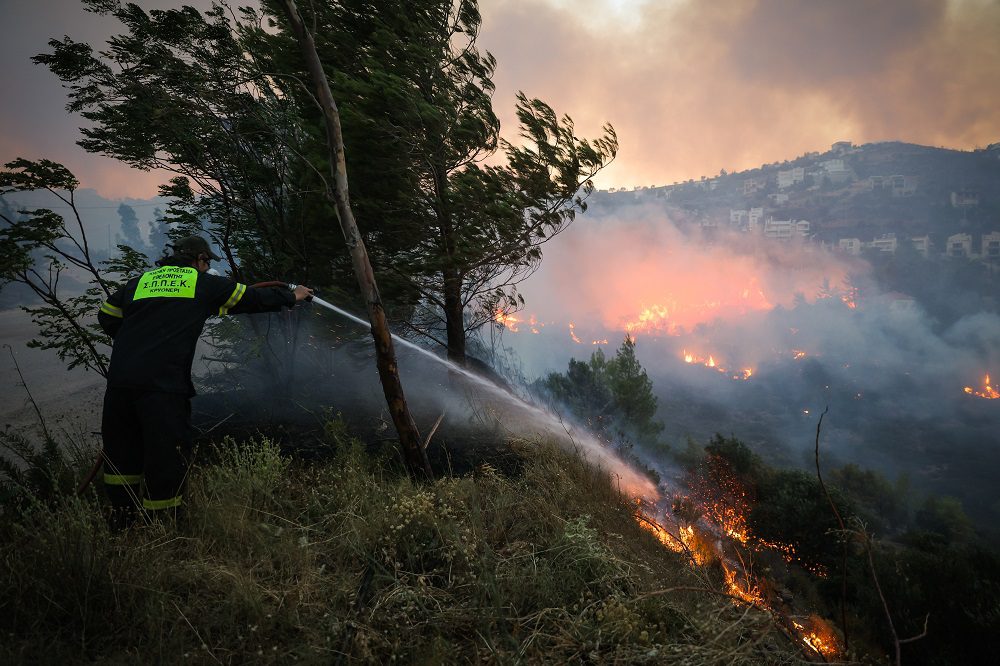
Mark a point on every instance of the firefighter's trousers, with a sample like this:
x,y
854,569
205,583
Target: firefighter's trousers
x,y
147,450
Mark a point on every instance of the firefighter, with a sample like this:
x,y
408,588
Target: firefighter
x,y
155,321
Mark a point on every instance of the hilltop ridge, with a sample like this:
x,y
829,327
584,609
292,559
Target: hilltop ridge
x,y
848,192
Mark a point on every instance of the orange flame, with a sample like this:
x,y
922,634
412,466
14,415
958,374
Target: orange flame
x,y
818,635
710,362
507,320
745,590
988,392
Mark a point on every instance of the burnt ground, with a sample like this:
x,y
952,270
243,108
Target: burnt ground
x,y
465,439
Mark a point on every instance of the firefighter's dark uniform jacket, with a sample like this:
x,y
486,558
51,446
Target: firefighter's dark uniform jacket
x,y
156,320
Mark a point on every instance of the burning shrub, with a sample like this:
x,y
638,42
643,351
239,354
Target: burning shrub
x,y
792,509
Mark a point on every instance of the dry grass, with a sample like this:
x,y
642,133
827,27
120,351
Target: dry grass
x,y
344,561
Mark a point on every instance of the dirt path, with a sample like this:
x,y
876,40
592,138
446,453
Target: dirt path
x,y
66,398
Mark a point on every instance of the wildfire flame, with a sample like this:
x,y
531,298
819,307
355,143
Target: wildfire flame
x,y
818,635
988,392
507,320
710,362
729,518
655,318
745,590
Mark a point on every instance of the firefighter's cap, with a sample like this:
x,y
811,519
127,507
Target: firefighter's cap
x,y
194,246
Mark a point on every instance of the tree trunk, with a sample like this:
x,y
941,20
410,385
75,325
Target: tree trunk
x,y
409,438
454,317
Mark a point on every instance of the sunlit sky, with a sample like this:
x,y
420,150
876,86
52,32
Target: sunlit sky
x,y
691,87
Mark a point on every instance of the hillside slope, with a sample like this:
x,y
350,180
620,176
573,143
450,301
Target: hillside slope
x,y
347,561
860,191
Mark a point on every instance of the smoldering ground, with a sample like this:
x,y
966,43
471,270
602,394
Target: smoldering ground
x,y
317,365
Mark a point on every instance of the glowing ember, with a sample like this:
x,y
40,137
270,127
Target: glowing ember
x,y
572,334
744,590
787,550
818,635
798,354
710,362
988,392
740,583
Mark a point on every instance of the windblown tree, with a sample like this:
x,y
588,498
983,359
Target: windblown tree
x,y
457,230
130,228
179,91
453,215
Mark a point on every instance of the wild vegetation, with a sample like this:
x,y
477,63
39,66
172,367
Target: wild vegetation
x,y
346,557
348,560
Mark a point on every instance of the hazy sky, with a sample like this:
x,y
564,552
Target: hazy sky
x,y
691,86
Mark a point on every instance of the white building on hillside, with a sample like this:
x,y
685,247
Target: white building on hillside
x,y
885,243
922,244
790,177
991,245
785,230
850,245
960,245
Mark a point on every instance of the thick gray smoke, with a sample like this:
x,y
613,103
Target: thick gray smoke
x,y
755,338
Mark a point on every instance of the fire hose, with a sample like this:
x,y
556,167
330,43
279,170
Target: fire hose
x,y
87,480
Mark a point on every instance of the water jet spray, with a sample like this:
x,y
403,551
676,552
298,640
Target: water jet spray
x,y
633,483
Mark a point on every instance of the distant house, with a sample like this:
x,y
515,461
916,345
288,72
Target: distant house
x,y
922,244
778,198
738,218
991,245
902,186
754,184
785,230
841,147
900,303
886,243
850,245
835,171
790,177
964,199
754,217
960,245
897,185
